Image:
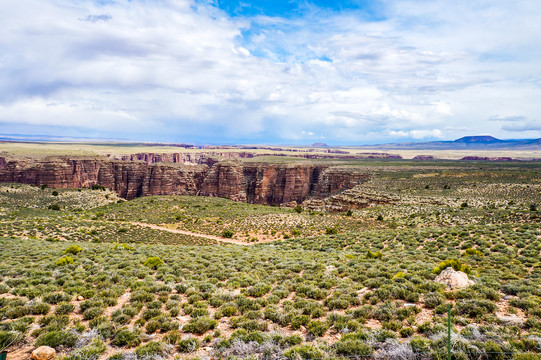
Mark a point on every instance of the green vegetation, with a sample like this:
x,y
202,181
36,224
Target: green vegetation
x,y
92,278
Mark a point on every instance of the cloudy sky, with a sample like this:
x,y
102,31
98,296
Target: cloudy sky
x,y
287,72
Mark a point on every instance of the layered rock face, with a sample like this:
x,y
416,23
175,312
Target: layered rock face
x,y
265,183
262,183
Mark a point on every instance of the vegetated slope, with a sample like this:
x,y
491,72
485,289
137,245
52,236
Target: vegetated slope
x,y
362,284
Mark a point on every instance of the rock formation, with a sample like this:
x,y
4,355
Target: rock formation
x,y
454,279
43,353
137,175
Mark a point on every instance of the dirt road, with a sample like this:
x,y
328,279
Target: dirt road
x,y
184,232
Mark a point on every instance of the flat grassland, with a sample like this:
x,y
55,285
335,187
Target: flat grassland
x,y
41,149
95,276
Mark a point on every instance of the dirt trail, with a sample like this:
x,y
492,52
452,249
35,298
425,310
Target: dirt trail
x,y
184,232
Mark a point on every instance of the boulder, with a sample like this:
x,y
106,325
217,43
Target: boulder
x,y
43,353
454,279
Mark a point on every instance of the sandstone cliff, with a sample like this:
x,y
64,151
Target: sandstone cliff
x,y
153,174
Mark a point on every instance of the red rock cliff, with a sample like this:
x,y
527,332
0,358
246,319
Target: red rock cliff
x,y
262,183
265,183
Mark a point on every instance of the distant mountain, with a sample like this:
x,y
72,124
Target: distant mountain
x,y
482,142
484,139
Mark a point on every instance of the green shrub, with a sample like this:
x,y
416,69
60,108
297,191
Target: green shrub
x,y
299,320
200,325
55,298
475,308
73,249
331,231
406,332
188,345
64,308
526,356
317,328
89,351
304,352
258,290
154,262
228,234
352,348
433,300
64,260
472,252
151,350
291,340
419,344
127,337
56,339
454,263
39,308
92,313
9,338
376,255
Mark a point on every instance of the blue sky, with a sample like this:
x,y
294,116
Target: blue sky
x,y
289,72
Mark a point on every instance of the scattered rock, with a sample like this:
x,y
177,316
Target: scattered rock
x,y
454,279
510,319
43,353
290,204
80,298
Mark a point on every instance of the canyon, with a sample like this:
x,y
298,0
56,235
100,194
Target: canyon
x,y
145,174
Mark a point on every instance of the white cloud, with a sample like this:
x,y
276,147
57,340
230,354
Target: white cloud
x,y
177,69
418,134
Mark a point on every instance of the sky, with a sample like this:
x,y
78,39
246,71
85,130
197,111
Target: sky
x,y
271,72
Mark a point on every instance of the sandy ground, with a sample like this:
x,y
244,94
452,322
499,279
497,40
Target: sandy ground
x,y
184,232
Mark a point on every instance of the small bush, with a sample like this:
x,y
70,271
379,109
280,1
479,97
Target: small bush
x,y
188,345
127,337
64,260
433,300
299,320
9,338
73,250
200,325
154,262
228,234
353,348
376,255
39,308
331,231
151,350
406,332
55,298
92,313
304,352
471,252
56,339
454,263
89,351
64,308
317,328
